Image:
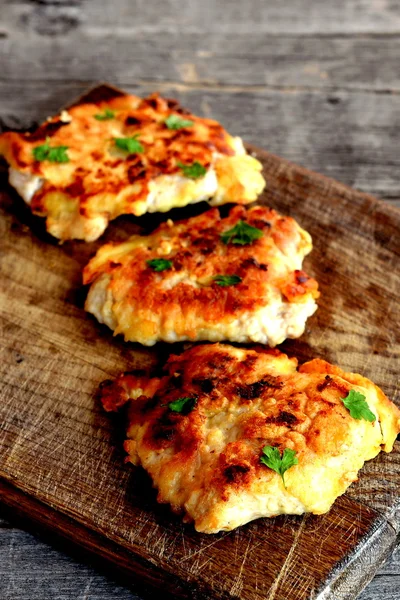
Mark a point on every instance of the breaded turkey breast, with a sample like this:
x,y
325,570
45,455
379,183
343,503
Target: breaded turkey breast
x,y
230,435
237,278
127,155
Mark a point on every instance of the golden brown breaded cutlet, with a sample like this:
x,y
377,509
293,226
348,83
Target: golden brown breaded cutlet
x,y
127,155
197,280
206,462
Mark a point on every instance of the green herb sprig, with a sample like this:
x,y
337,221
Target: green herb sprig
x,y
183,405
159,264
193,171
241,234
57,154
358,407
272,459
106,115
227,280
176,122
129,144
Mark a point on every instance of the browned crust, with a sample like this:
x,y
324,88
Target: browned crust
x,y
195,247
301,410
95,170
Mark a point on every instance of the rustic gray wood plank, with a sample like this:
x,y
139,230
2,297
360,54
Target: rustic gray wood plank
x,y
351,137
386,584
46,17
261,61
316,82
31,568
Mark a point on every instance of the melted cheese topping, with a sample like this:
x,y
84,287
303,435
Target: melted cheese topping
x,y
101,181
272,301
206,463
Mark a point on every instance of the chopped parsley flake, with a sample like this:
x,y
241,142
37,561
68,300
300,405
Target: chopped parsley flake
x,y
106,115
241,234
193,171
183,405
272,459
175,122
358,407
129,144
159,264
226,280
56,154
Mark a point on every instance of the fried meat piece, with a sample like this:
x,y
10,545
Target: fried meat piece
x,y
200,429
127,155
197,280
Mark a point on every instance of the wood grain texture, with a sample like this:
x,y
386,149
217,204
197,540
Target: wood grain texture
x,y
32,568
321,78
46,17
314,82
245,575
281,62
309,128
54,356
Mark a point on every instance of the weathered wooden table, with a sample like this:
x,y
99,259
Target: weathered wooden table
x,y
315,82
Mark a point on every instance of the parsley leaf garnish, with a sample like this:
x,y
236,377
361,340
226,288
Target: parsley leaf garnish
x,y
129,144
358,407
104,116
194,171
272,459
175,122
226,280
159,264
183,405
56,154
241,234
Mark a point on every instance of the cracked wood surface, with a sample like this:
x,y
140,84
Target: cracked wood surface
x,y
54,356
314,82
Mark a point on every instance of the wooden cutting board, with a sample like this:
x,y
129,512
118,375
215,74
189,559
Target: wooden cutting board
x,y
61,458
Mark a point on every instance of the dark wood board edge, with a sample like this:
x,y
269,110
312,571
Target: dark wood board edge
x,y
348,577
351,575
57,528
346,580
365,565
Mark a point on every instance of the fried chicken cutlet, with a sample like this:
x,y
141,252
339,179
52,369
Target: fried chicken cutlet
x,y
127,155
237,278
230,435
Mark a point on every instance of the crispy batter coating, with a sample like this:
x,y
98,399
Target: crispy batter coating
x,y
101,181
270,303
206,463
